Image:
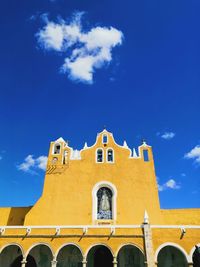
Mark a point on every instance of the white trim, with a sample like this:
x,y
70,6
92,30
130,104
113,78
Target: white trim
x,y
113,154
98,244
129,244
39,244
99,162
172,245
60,139
192,251
109,134
94,198
13,244
176,226
68,244
129,226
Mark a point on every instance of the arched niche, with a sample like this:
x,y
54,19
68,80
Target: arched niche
x,y
130,255
39,256
171,256
99,256
111,196
11,256
69,256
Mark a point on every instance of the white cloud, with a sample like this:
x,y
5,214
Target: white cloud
x,y
168,135
51,37
84,51
194,154
41,162
32,164
170,184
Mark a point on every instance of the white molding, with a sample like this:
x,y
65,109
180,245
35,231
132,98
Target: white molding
x,y
68,244
172,245
129,244
119,226
176,226
39,244
98,244
94,198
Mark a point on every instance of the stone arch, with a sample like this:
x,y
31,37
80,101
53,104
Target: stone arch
x,y
98,244
69,255
67,244
127,244
39,255
11,255
99,255
130,255
171,254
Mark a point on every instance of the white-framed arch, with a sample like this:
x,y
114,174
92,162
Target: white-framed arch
x,y
95,201
172,245
113,155
98,244
69,244
104,135
129,244
96,155
13,244
192,251
54,148
39,244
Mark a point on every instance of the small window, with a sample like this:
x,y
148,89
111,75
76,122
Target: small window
x,y
146,155
110,155
99,155
54,160
57,149
105,139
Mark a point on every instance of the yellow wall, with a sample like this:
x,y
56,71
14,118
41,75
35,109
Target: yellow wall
x,y
67,200
67,196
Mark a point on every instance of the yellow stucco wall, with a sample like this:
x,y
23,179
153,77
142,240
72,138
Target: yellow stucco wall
x,y
67,200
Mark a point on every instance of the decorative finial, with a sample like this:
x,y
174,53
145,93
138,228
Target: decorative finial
x,y
146,217
104,127
125,144
85,145
134,153
144,142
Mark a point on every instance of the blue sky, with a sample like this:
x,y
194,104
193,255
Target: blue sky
x,y
140,77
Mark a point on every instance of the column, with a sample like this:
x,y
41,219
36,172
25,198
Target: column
x,y
114,261
148,245
23,262
190,264
84,262
53,263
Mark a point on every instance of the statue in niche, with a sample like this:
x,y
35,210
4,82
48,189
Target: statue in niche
x,y
104,204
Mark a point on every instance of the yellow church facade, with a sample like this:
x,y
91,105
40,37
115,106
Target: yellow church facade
x,y
99,208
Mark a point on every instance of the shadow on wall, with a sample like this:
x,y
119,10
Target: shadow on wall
x,y
17,216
